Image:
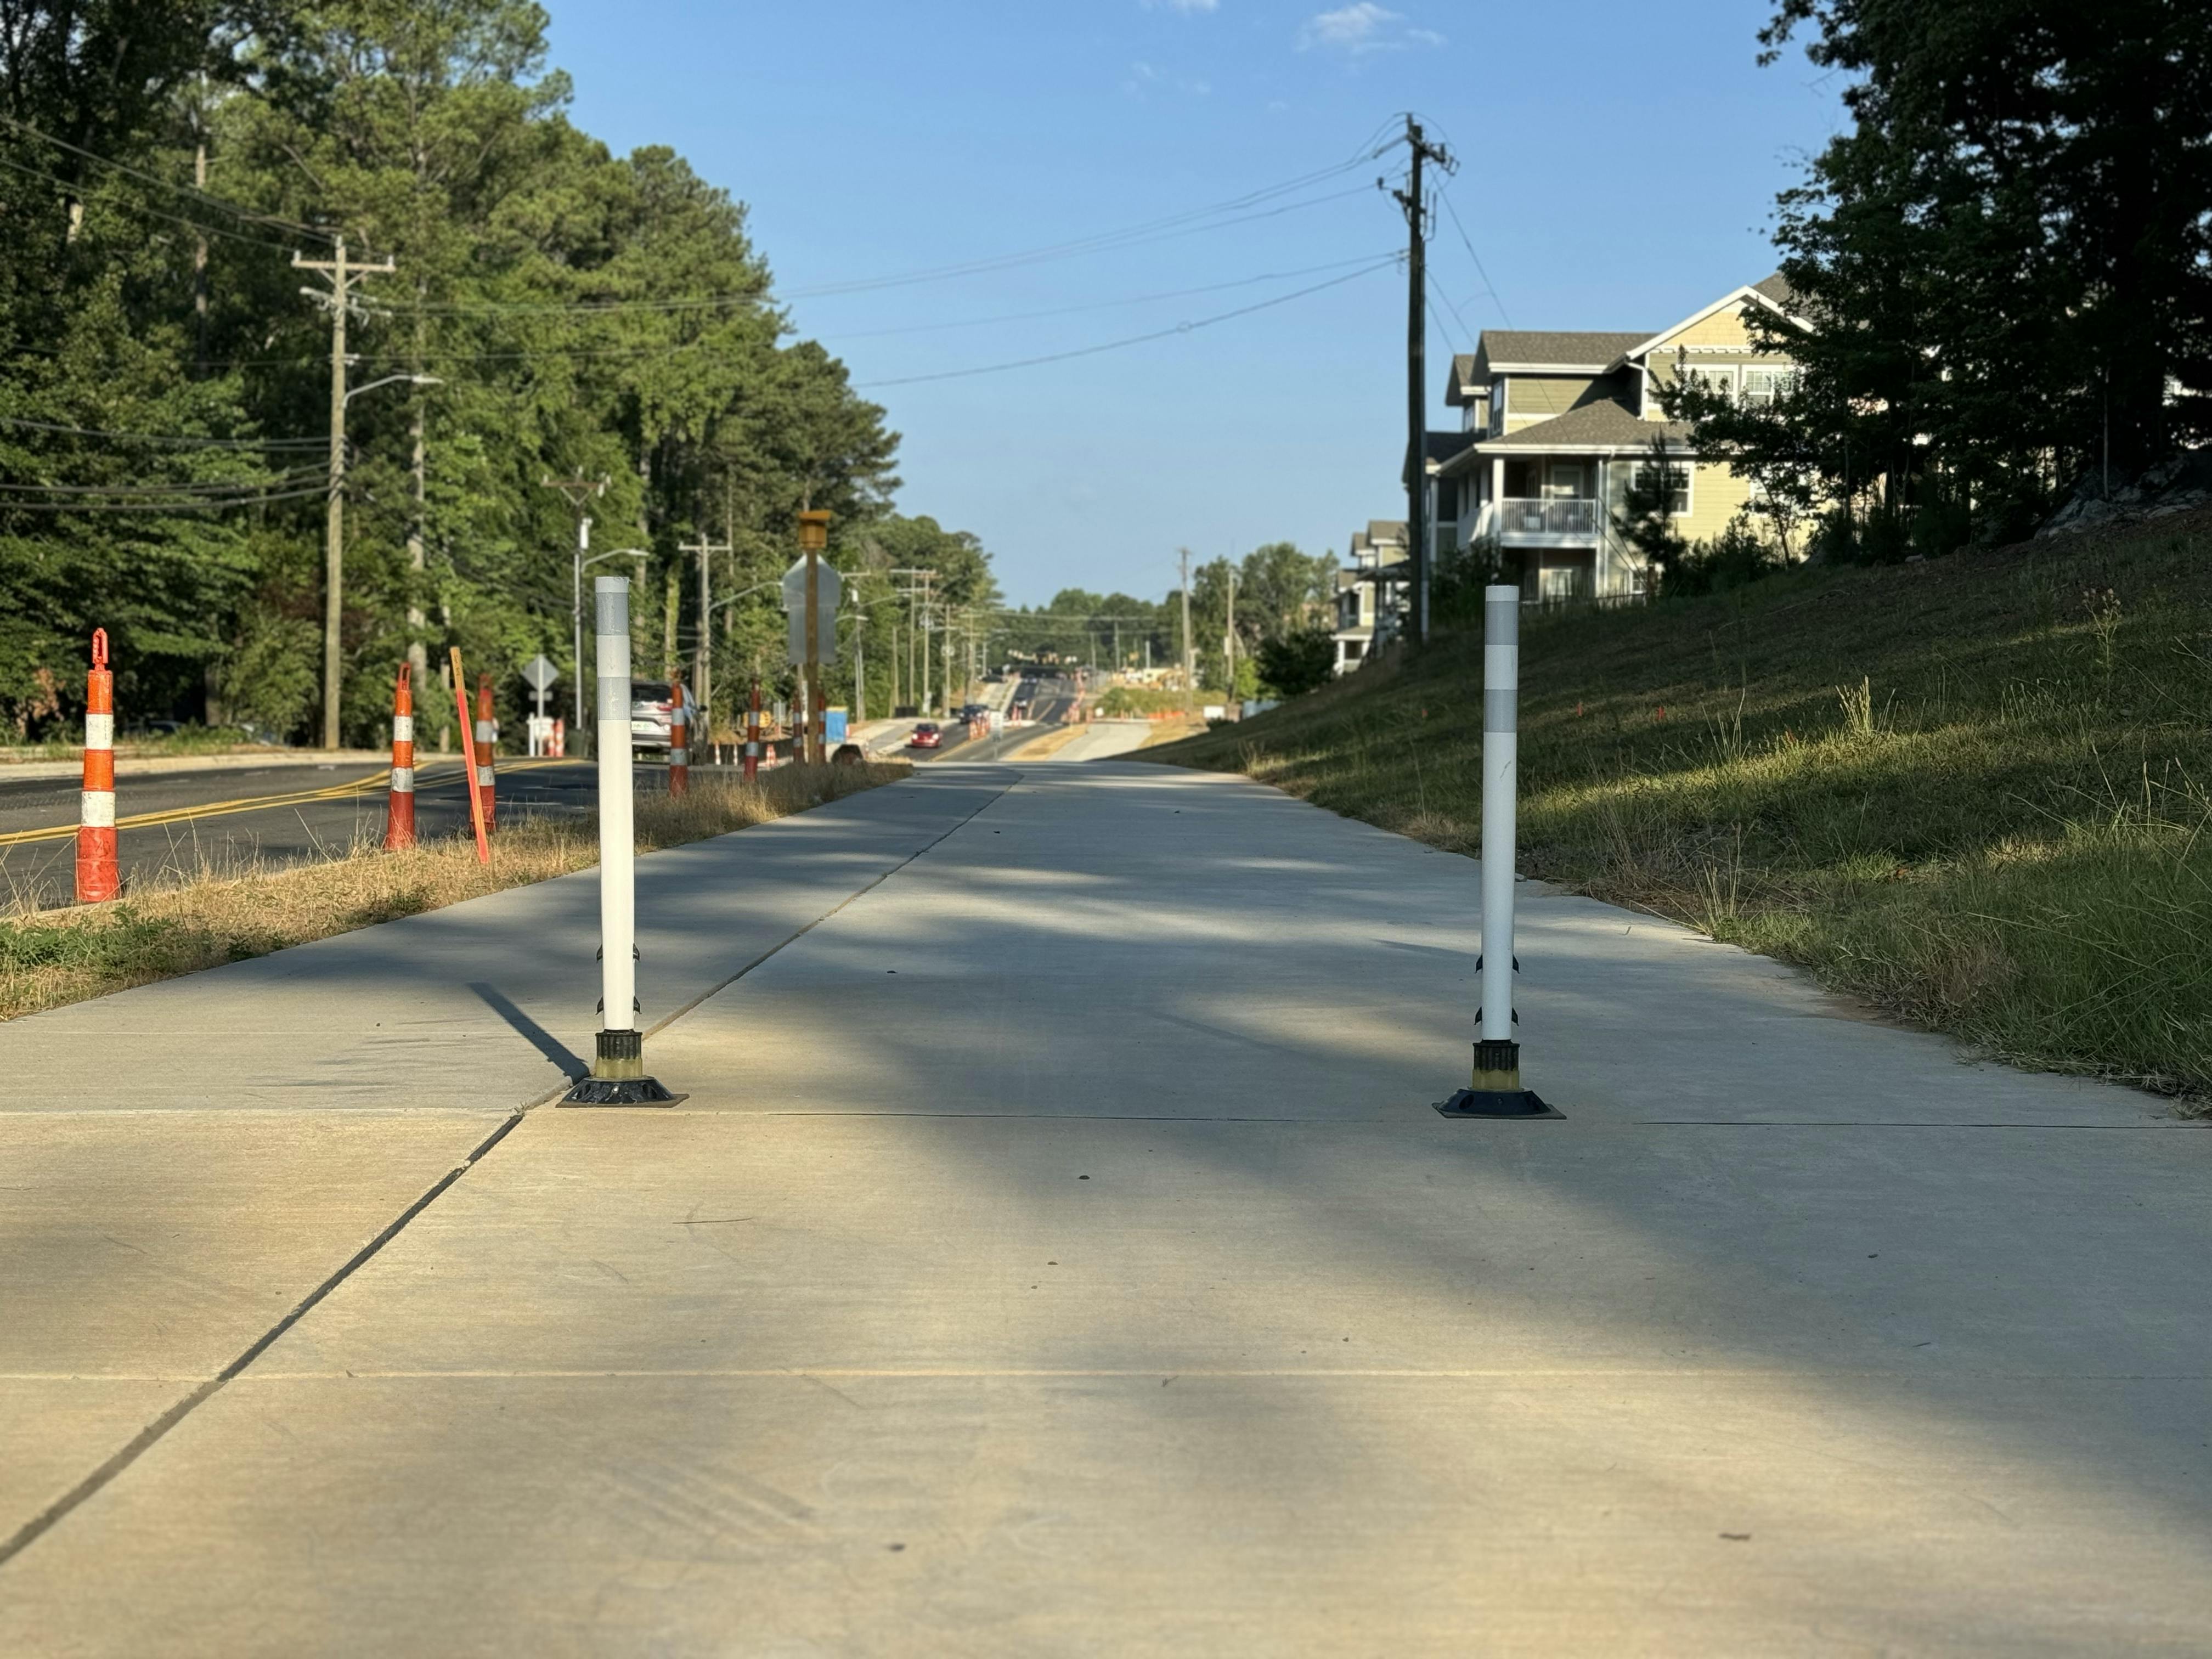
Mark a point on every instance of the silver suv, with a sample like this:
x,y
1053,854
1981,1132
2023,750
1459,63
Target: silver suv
x,y
649,703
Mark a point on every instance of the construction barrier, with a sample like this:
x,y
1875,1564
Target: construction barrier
x,y
752,737
98,879
556,746
680,741
469,769
487,737
399,809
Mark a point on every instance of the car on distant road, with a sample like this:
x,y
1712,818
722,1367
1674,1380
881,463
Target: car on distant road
x,y
927,736
650,701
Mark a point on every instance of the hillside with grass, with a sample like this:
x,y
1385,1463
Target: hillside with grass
x,y
1974,792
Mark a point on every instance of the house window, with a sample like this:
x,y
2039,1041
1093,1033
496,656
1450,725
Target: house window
x,y
1497,406
1564,481
1447,500
1712,377
1678,482
1763,383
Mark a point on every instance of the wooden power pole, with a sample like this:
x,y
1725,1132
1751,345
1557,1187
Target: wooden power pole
x,y
341,275
1416,375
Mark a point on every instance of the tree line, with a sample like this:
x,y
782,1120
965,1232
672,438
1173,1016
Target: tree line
x,y
553,311
2002,269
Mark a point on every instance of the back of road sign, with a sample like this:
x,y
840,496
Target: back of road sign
x,y
537,673
828,593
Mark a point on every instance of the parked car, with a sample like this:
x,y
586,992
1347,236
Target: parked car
x,y
927,736
650,701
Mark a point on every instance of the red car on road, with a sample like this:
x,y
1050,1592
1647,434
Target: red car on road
x,y
926,736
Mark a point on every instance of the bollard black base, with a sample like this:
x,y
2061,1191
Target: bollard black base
x,y
619,1092
1496,1103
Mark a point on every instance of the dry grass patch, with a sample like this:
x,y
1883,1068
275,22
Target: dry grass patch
x,y
51,957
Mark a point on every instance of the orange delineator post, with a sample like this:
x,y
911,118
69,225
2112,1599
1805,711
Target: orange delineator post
x,y
468,771
487,735
752,737
399,809
98,877
680,741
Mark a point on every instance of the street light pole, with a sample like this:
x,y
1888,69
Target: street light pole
x,y
577,492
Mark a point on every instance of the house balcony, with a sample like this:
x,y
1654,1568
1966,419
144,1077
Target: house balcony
x,y
1555,521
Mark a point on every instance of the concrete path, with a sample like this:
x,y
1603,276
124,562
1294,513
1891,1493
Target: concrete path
x,y
1058,1256
1103,740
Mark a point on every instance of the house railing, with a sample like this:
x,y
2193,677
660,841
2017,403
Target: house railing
x,y
1566,516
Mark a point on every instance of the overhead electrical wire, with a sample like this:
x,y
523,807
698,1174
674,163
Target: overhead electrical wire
x,y
198,506
193,191
154,213
1131,340
1189,223
180,440
1467,242
915,328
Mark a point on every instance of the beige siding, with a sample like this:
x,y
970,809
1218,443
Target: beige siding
x,y
1716,495
1723,328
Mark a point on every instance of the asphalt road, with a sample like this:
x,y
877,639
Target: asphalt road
x,y
177,825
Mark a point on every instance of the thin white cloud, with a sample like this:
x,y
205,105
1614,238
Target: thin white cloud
x,y
1361,28
1180,5
1145,79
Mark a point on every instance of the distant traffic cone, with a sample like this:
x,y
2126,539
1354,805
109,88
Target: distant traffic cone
x,y
487,735
680,741
98,877
399,809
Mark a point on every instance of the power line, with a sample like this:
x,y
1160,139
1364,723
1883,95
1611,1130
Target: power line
x,y
151,213
1467,243
202,505
179,438
193,191
1134,339
215,486
1175,225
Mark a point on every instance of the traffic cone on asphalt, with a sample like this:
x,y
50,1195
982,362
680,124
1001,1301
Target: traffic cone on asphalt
x,y
98,878
487,735
399,809
680,741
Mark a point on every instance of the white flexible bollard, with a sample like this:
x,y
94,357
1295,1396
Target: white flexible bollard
x,y
618,1075
1497,1090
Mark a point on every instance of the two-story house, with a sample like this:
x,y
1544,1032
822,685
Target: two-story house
x,y
1371,591
1557,424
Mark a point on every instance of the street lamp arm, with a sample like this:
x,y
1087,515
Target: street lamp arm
x,y
391,380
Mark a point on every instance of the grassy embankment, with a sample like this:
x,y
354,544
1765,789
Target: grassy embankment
x,y
52,957
1975,792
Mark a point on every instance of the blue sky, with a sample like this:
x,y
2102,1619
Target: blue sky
x,y
1618,159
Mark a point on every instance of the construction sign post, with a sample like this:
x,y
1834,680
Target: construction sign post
x,y
812,590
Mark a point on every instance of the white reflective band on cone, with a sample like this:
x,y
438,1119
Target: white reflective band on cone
x,y
98,811
484,777
679,758
485,732
99,731
403,728
403,780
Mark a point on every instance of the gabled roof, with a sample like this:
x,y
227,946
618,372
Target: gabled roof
x,y
1465,384
1777,288
1505,351
1595,429
1751,294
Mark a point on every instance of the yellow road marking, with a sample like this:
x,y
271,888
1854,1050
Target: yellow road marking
x,y
255,803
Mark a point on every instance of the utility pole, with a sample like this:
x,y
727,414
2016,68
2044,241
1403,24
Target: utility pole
x,y
1417,300
702,652
1190,657
578,493
342,276
917,595
1229,637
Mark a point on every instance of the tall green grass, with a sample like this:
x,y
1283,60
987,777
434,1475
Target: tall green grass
x,y
1974,792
